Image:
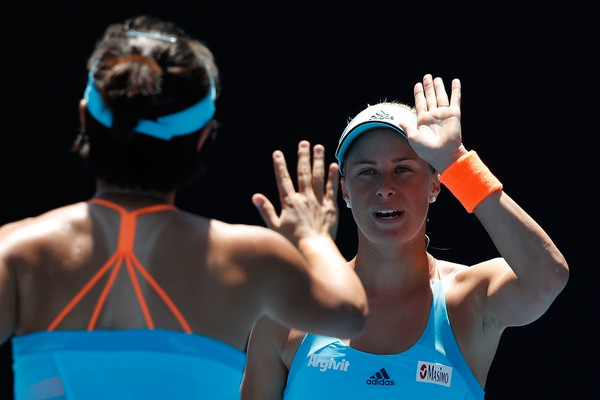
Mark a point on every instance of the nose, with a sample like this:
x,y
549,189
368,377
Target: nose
x,y
386,187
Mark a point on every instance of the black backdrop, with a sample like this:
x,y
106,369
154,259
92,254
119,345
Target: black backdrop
x,y
299,70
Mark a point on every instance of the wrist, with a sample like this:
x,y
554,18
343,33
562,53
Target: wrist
x,y
442,163
319,246
470,180
313,242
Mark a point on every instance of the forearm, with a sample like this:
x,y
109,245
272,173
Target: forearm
x,y
336,283
528,250
328,264
322,254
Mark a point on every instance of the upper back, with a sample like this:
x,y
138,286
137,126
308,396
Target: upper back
x,y
199,263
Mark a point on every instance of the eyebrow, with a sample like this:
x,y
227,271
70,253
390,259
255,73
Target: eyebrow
x,y
395,161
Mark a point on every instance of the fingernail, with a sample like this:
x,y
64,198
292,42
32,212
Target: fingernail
x,y
257,201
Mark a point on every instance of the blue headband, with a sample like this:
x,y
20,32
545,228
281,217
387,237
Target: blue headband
x,y
165,127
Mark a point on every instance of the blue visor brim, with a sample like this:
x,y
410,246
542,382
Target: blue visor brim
x,y
350,136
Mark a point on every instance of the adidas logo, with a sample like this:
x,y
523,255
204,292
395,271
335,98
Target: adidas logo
x,y
381,115
380,377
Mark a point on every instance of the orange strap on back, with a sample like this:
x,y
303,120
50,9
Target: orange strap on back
x,y
124,253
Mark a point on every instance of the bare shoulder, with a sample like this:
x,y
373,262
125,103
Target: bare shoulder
x,y
248,257
455,274
250,234
44,234
248,243
448,270
463,288
467,288
31,245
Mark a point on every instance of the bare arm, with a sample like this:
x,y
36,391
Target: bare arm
x,y
535,271
337,300
265,375
8,285
532,271
7,302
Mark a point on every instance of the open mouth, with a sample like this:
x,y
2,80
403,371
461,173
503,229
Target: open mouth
x,y
388,214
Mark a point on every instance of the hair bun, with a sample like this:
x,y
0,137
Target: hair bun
x,y
131,76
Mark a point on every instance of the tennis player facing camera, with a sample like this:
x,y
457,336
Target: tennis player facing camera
x,y
434,325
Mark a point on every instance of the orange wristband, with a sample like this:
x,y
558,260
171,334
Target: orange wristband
x,y
469,180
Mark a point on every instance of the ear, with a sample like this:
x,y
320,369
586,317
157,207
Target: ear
x,y
436,186
82,109
204,134
345,194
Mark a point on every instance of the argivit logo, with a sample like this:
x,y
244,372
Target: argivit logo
x,y
438,374
324,364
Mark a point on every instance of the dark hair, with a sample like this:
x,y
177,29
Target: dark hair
x,y
145,76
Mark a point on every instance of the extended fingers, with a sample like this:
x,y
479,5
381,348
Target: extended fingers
x,y
333,182
431,93
304,169
456,93
440,93
318,171
266,210
420,102
310,179
282,176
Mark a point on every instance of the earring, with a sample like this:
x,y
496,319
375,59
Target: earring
x,y
433,199
348,204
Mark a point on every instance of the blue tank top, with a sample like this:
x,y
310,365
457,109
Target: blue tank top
x,y
433,368
125,364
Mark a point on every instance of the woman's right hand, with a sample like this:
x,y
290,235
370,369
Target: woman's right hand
x,y
310,211
438,136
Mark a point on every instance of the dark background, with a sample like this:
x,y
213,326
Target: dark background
x,y
299,70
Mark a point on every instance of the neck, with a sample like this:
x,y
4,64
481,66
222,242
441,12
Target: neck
x,y
104,189
406,265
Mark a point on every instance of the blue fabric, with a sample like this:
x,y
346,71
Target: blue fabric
x,y
433,368
165,127
125,364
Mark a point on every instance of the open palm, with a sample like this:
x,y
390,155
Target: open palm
x,y
437,138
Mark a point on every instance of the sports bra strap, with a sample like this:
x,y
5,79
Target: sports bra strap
x,y
124,253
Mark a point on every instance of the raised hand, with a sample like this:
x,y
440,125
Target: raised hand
x,y
438,138
310,211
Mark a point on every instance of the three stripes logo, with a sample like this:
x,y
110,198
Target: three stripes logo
x,y
381,378
381,115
